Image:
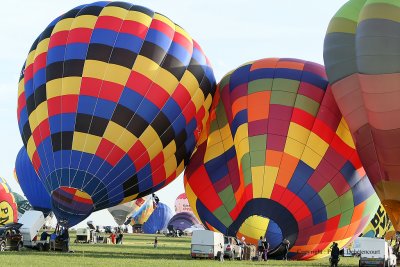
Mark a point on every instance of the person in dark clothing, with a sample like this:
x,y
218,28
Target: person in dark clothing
x,y
266,249
65,238
44,236
260,246
155,242
335,255
286,245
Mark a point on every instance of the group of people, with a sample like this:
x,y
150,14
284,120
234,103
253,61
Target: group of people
x,y
60,233
117,236
263,248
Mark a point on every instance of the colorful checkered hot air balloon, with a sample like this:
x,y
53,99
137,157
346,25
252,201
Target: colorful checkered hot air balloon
x,y
112,97
277,160
8,205
362,55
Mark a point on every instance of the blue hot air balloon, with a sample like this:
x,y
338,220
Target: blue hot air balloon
x,y
158,220
30,183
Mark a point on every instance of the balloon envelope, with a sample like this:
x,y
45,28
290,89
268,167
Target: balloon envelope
x,y
361,54
379,225
30,183
182,204
183,220
8,205
143,213
278,160
22,204
121,212
158,220
111,99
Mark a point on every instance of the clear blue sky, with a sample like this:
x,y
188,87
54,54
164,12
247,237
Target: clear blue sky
x,y
230,33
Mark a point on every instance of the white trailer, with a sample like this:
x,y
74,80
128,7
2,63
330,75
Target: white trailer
x,y
374,252
207,244
82,235
32,221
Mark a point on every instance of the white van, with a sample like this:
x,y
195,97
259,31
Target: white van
x,y
32,221
207,244
374,252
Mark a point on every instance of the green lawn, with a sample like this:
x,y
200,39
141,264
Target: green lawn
x,y
137,250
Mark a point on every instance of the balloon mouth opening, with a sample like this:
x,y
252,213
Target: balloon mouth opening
x,y
264,227
277,222
70,204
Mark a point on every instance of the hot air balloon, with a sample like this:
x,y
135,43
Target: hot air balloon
x,y
8,205
111,101
379,224
361,54
182,204
140,216
121,212
30,183
183,220
22,204
158,220
277,160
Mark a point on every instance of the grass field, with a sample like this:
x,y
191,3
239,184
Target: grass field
x,y
137,250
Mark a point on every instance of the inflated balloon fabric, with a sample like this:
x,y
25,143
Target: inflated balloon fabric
x,y
277,160
112,98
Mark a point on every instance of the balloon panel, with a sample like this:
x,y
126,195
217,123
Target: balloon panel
x,y
277,159
111,99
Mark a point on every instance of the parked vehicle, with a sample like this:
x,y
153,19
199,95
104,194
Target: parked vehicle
x,y
10,237
31,223
233,248
87,235
207,244
82,235
374,252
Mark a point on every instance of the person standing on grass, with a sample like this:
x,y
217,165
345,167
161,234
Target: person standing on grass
x,y
260,245
286,244
65,238
112,237
155,242
266,249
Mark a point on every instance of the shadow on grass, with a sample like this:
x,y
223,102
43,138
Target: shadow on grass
x,y
108,255
133,247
